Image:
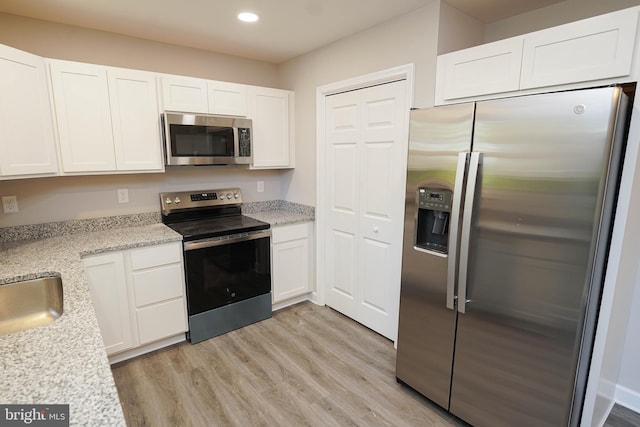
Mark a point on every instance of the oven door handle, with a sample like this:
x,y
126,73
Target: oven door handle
x,y
234,238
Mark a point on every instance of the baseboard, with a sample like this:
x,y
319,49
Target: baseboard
x,y
138,351
291,301
628,398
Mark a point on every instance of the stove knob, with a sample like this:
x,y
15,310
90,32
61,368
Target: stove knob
x,y
229,196
168,201
236,195
177,200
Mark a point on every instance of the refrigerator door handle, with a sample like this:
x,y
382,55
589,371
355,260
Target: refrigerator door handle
x,y
453,230
474,163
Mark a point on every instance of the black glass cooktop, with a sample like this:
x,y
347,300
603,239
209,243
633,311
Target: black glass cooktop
x,y
214,227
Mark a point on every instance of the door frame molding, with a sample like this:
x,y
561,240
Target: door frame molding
x,y
403,72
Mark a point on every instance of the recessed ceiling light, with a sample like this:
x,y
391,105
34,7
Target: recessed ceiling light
x,y
248,17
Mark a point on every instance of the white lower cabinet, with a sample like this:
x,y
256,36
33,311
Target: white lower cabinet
x,y
138,295
291,261
108,286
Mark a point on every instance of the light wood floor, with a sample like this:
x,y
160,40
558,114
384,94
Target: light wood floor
x,y
308,365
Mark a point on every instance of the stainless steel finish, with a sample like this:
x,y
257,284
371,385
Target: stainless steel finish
x,y
452,265
178,118
227,318
181,200
226,240
29,304
531,252
426,327
474,163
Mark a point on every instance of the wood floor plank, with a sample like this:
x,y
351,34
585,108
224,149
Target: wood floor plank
x,y
308,365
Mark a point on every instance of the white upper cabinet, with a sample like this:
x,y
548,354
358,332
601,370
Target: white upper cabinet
x,y
186,94
193,95
108,118
270,111
227,98
596,50
27,142
81,98
135,119
591,49
490,68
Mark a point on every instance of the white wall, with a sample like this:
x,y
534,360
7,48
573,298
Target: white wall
x,y
60,41
409,39
457,30
65,198
628,389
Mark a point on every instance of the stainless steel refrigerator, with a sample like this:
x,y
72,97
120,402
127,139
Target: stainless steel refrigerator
x,y
508,214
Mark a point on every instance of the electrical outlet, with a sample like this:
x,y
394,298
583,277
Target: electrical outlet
x,y
9,204
123,195
260,186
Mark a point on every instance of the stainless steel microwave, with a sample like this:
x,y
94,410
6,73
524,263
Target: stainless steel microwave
x,y
203,139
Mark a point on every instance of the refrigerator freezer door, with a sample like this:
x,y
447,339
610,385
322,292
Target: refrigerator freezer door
x,y
533,236
426,326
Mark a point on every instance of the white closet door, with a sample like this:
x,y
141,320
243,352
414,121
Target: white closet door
x,y
366,143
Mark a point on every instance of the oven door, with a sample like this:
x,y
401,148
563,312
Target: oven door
x,y
220,272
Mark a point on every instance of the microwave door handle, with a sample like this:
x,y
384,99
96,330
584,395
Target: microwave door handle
x,y
453,230
236,143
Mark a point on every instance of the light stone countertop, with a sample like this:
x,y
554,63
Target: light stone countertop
x,y
277,217
65,362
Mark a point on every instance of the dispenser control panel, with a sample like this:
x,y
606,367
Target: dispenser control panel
x,y
437,200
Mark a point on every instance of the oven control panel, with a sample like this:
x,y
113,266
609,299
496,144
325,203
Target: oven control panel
x,y
198,199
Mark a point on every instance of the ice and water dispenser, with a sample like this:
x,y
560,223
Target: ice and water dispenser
x,y
434,209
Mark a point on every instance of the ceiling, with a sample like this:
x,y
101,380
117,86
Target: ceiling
x,y
287,28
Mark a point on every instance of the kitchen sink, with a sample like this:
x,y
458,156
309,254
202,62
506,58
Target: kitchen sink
x,y
29,304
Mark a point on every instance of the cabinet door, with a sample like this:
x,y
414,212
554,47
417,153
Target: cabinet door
x,y
135,119
272,137
108,286
227,98
81,99
481,70
590,49
290,260
290,269
186,94
27,143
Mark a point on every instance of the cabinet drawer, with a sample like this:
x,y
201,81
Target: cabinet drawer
x,y
289,232
155,255
161,320
158,284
